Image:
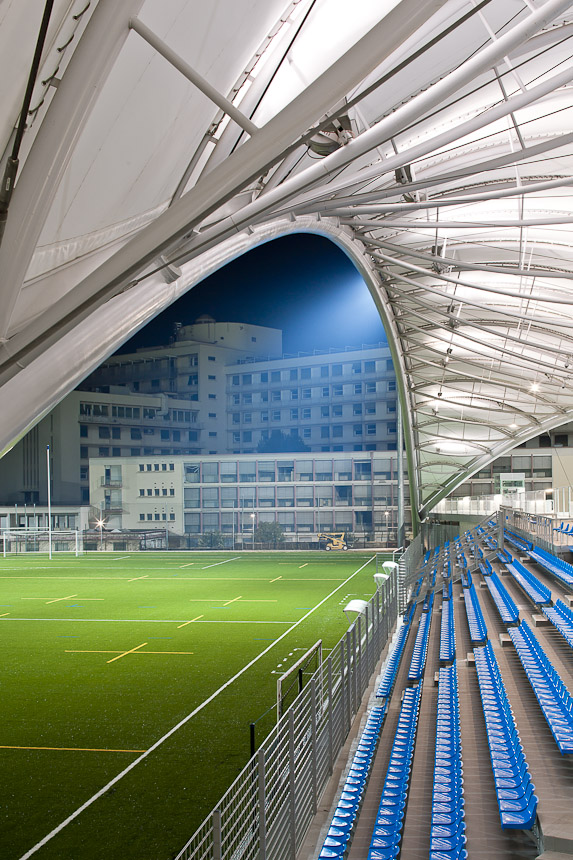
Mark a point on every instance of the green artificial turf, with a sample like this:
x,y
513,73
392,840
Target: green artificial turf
x,y
62,621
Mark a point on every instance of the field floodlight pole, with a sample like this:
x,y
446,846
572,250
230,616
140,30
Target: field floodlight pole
x,y
49,503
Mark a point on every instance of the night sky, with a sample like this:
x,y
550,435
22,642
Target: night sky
x,y
302,284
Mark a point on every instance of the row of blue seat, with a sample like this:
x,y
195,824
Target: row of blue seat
x,y
485,567
562,618
428,602
552,695
447,835
476,622
339,833
537,592
564,529
387,833
466,579
506,605
418,661
504,556
562,570
447,590
516,800
517,542
389,676
447,632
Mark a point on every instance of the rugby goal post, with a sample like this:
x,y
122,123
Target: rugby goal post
x,y
20,541
286,684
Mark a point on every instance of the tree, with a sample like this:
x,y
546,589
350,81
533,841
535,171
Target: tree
x,y
269,533
281,443
212,540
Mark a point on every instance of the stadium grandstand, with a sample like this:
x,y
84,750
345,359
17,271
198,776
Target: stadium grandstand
x,y
146,144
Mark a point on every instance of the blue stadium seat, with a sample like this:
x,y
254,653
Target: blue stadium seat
x,y
562,618
447,836
387,833
552,695
516,800
476,623
537,592
505,603
447,633
418,661
558,567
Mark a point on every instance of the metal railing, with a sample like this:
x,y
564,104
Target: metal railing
x,y
267,811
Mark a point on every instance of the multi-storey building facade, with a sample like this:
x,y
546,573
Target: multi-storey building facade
x,y
305,493
194,397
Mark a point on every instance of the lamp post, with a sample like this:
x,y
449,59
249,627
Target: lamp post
x,y
387,514
253,522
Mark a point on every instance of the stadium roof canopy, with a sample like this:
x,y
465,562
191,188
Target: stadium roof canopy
x,y
432,141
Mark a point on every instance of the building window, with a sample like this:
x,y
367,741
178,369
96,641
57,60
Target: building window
x,y
306,432
103,452
337,370
391,406
391,427
324,370
142,492
294,415
193,379
389,364
236,437
371,429
135,433
294,394
358,388
155,383
247,399
247,436
264,376
211,376
235,399
236,418
116,432
306,393
142,516
276,415
275,376
264,415
357,408
235,380
247,417
212,414
356,367
337,410
305,373
212,396
293,373
391,385
370,408
324,411
306,413
212,433
325,391
176,437
369,367
324,432
135,452
83,431
337,429
116,452
264,396
247,379
357,429
211,358
164,434
193,360
103,432
337,390
370,387
561,440
83,452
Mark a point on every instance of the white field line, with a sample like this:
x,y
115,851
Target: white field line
x,y
181,723
121,558
147,620
227,560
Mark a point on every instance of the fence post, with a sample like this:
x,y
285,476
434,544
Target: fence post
x,y
369,668
292,785
354,671
217,838
313,744
262,806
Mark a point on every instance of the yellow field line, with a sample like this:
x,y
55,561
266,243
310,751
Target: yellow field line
x,y
179,626
275,580
234,600
303,565
181,566
145,576
3,614
70,749
126,652
123,653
